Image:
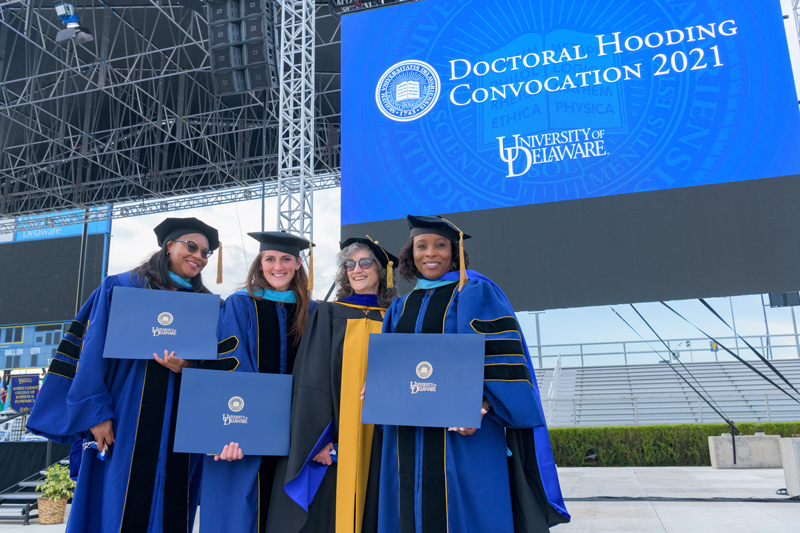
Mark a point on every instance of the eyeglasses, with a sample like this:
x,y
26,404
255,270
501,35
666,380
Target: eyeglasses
x,y
365,264
192,246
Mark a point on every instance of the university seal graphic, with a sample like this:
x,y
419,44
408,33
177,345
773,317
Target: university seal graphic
x,y
236,404
165,319
407,90
424,370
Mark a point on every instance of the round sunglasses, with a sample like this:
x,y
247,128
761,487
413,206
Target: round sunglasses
x,y
365,264
192,246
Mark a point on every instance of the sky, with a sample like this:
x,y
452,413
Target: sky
x,y
133,240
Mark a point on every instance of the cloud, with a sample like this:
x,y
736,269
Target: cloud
x,y
133,239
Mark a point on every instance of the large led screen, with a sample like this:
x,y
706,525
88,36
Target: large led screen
x,y
39,278
453,105
515,112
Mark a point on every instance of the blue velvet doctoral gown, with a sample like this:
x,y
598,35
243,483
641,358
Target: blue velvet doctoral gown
x,y
143,486
255,334
434,480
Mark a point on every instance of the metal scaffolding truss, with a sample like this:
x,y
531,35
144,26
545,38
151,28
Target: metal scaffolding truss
x,y
125,210
132,116
341,7
296,122
131,119
796,9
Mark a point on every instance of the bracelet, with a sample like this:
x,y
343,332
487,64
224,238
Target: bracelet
x,y
485,407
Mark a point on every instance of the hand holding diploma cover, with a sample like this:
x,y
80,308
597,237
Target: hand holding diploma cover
x,y
142,323
433,380
218,407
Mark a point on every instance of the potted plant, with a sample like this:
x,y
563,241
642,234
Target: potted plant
x,y
56,490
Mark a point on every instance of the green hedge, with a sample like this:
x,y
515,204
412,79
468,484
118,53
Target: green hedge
x,y
664,445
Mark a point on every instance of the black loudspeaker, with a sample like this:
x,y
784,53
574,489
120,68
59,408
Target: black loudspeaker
x,y
226,57
784,299
224,33
254,52
258,78
229,81
221,11
253,7
242,42
254,28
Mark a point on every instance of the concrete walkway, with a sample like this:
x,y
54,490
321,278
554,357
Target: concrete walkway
x,y
651,517
676,517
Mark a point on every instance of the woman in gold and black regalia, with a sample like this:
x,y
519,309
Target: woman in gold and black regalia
x,y
259,330
333,466
127,405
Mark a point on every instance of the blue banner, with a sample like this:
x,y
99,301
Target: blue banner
x,y
23,391
461,105
72,230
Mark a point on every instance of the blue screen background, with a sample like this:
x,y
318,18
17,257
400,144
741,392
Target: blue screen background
x,y
731,122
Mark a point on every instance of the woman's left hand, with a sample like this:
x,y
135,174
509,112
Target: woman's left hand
x,y
324,456
176,364
468,431
463,431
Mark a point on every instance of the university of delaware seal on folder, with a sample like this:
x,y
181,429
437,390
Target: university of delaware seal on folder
x,y
408,90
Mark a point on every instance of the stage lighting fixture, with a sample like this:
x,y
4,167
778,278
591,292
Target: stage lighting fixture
x,y
66,13
72,25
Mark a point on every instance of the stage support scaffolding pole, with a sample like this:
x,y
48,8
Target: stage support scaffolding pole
x,y
296,117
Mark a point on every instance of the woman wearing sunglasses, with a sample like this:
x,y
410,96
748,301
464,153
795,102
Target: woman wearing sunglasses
x,y
127,406
334,460
498,478
260,328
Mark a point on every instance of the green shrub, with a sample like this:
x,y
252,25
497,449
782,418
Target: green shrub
x,y
57,483
663,445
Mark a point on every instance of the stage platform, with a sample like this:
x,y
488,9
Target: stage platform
x,y
651,516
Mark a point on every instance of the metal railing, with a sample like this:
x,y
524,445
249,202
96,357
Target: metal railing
x,y
691,350
642,411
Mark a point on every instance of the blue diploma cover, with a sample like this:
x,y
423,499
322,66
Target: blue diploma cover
x,y
144,322
218,407
432,380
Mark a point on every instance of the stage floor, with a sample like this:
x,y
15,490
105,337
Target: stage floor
x,y
648,516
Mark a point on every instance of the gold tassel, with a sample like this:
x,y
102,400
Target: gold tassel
x,y
463,270
389,265
219,264
310,267
462,279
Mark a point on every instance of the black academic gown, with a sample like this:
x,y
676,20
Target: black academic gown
x,y
329,372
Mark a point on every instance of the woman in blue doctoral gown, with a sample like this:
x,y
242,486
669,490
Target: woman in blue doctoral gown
x,y
259,330
498,478
127,405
